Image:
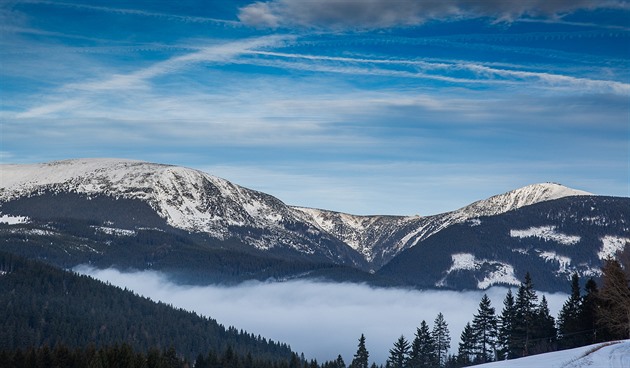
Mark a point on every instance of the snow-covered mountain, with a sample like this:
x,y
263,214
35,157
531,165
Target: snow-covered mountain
x,y
102,200
381,238
186,199
198,202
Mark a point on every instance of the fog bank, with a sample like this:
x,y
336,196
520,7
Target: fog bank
x,y
320,319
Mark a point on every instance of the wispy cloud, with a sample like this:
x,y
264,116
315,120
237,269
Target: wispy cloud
x,y
221,53
484,74
370,14
137,12
317,318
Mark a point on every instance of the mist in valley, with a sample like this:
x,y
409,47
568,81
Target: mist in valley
x,y
319,319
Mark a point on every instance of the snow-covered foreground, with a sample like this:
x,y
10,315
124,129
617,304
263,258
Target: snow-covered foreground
x,y
605,355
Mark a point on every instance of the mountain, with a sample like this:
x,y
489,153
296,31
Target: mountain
x,y
550,239
124,213
184,199
381,238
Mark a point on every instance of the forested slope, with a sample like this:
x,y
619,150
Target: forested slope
x,y
43,305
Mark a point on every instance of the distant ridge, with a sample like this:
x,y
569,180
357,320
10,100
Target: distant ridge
x,y
192,200
143,215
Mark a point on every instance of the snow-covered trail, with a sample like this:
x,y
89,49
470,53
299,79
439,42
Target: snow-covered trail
x,y
604,355
620,356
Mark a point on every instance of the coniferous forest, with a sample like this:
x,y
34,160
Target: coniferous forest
x,y
56,318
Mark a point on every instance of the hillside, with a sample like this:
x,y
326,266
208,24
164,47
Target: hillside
x,y
43,305
551,239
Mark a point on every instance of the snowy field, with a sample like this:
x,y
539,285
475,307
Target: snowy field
x,y
606,355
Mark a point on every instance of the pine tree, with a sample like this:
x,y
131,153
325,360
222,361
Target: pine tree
x,y
361,357
442,339
569,318
466,350
423,354
484,328
508,348
399,354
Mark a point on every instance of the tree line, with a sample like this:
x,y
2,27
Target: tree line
x,y
524,327
125,356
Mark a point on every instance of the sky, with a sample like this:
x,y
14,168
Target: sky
x,y
321,320
367,107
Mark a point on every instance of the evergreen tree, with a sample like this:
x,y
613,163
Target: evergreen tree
x,y
544,331
570,319
361,357
423,354
614,296
508,349
441,338
466,350
339,363
484,328
588,312
399,354
526,306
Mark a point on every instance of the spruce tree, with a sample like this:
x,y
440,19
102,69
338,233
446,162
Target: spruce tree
x,y
423,354
466,350
399,354
526,305
441,338
508,348
484,328
361,357
588,312
544,330
569,317
614,296
339,363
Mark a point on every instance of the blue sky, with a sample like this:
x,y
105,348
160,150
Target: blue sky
x,y
366,107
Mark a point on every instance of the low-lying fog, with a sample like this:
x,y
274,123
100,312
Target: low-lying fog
x,y
320,319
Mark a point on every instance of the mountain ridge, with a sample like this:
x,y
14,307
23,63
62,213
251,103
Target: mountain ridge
x,y
202,229
195,201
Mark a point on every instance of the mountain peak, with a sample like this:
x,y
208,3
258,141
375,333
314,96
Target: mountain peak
x,y
548,191
521,197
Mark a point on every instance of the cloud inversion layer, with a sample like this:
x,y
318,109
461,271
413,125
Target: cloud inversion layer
x,y
318,318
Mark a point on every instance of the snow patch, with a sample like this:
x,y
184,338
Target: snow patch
x,y
611,245
474,222
502,273
114,231
547,233
463,261
36,232
563,261
14,220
